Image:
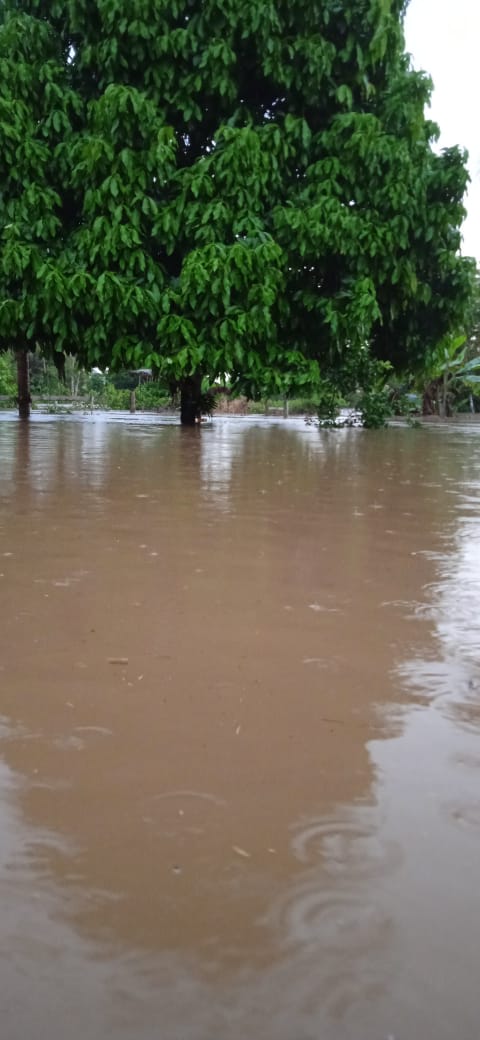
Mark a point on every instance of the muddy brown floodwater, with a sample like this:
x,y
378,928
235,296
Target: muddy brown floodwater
x,y
240,715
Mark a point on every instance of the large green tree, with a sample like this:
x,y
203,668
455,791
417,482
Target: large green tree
x,y
239,188
38,109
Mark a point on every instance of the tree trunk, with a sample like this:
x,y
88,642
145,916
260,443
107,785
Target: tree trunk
x,y
190,400
443,402
23,385
59,362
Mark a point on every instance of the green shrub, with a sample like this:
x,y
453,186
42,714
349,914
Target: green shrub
x,y
8,376
151,395
44,378
374,407
113,398
96,383
328,405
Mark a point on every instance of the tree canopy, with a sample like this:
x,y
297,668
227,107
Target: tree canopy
x,y
205,187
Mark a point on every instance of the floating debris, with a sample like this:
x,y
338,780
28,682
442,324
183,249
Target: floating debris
x,y
241,852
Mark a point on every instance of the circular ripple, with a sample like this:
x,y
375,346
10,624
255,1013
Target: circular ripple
x,y
346,846
465,815
337,920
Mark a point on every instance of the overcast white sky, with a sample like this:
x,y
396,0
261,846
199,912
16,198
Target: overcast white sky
x,y
443,36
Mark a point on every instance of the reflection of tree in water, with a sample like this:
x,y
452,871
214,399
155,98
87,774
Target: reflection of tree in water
x,y
7,458
224,702
220,799
220,449
451,675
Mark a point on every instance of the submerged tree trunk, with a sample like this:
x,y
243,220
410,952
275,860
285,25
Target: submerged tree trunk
x,y
23,385
59,362
428,404
443,397
190,400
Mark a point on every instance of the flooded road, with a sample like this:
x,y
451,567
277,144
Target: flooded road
x,y
239,742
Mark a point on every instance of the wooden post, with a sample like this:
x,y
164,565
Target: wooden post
x,y
133,402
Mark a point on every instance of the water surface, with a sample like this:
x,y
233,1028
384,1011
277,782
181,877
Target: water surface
x,y
240,708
